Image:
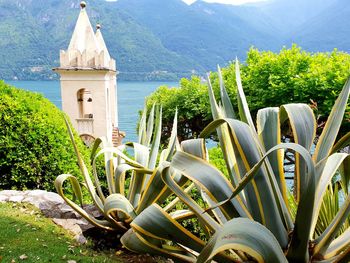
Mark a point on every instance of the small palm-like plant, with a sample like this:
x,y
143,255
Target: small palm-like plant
x,y
253,215
132,183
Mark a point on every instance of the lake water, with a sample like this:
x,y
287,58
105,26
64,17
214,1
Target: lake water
x,y
131,97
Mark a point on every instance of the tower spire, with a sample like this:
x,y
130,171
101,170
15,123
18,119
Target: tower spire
x,y
86,49
101,43
83,38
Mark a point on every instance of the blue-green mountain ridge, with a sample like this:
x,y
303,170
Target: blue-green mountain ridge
x,y
166,39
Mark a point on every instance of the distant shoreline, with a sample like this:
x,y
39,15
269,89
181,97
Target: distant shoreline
x,y
131,76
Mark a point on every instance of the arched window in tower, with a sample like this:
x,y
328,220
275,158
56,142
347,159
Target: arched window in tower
x,y
85,100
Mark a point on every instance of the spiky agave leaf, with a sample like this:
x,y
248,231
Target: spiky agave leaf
x,y
247,236
251,162
119,205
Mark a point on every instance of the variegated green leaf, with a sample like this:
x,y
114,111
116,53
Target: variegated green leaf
x,y
156,223
344,170
247,236
330,131
329,170
323,241
118,204
153,190
96,222
226,102
135,242
224,138
142,129
303,124
342,143
211,180
187,200
269,132
243,107
89,184
156,141
259,194
337,246
150,126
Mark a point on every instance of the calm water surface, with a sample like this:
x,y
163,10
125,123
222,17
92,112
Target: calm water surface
x,y
131,97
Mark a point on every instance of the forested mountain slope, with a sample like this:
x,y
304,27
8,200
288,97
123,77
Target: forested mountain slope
x,y
158,39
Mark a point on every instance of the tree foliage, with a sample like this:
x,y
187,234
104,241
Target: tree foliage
x,y
191,100
269,79
34,143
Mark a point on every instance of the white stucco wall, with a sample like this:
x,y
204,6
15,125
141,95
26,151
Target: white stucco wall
x,y
97,81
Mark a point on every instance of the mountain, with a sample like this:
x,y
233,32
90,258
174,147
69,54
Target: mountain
x,y
21,41
165,39
327,31
206,33
33,31
290,15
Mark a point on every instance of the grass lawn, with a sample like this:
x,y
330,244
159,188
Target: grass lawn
x,y
26,235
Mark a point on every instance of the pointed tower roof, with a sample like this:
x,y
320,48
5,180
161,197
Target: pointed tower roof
x,y
101,43
83,38
86,50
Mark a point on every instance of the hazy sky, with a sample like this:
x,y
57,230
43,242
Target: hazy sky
x,y
232,2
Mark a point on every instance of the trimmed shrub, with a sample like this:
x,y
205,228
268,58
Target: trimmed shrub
x,y
34,142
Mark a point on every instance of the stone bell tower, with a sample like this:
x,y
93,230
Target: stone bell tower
x,y
88,81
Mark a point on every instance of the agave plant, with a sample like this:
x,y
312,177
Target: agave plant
x,y
253,215
119,204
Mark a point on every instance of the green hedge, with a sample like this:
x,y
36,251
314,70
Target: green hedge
x,y
34,143
269,79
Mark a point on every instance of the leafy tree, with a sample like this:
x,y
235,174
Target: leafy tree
x,y
295,75
269,79
192,103
34,143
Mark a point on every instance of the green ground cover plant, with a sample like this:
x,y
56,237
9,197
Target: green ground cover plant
x,y
34,143
270,80
26,235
